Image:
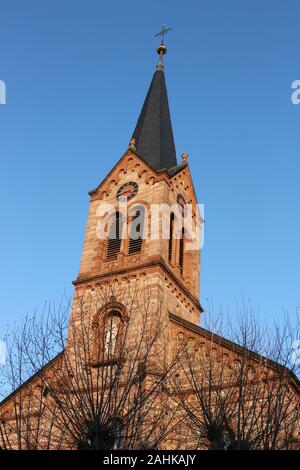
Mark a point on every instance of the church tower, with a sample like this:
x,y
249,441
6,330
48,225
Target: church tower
x,y
145,241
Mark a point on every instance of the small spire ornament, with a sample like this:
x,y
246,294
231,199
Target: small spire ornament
x,y
132,144
184,156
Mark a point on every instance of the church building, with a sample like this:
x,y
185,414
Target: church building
x,y
137,245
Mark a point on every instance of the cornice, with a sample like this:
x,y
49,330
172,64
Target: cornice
x,y
156,263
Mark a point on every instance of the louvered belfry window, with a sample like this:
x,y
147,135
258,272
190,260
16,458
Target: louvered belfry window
x,y
171,235
181,251
136,230
114,236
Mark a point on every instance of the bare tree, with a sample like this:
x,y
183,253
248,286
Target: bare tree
x,y
31,349
105,390
241,393
109,377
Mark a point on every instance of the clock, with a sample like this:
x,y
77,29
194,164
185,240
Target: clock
x,y
127,191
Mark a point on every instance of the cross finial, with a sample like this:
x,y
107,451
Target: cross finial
x,y
162,33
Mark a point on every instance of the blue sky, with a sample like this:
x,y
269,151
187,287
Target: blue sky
x,y
77,73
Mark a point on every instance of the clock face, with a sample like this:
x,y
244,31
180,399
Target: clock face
x,y
127,191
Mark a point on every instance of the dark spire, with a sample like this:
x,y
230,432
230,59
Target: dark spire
x,y
153,133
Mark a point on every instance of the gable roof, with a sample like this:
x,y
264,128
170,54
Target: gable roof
x,y
227,343
32,377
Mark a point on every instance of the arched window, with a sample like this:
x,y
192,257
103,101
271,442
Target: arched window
x,y
114,236
136,229
171,235
112,327
181,251
109,328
